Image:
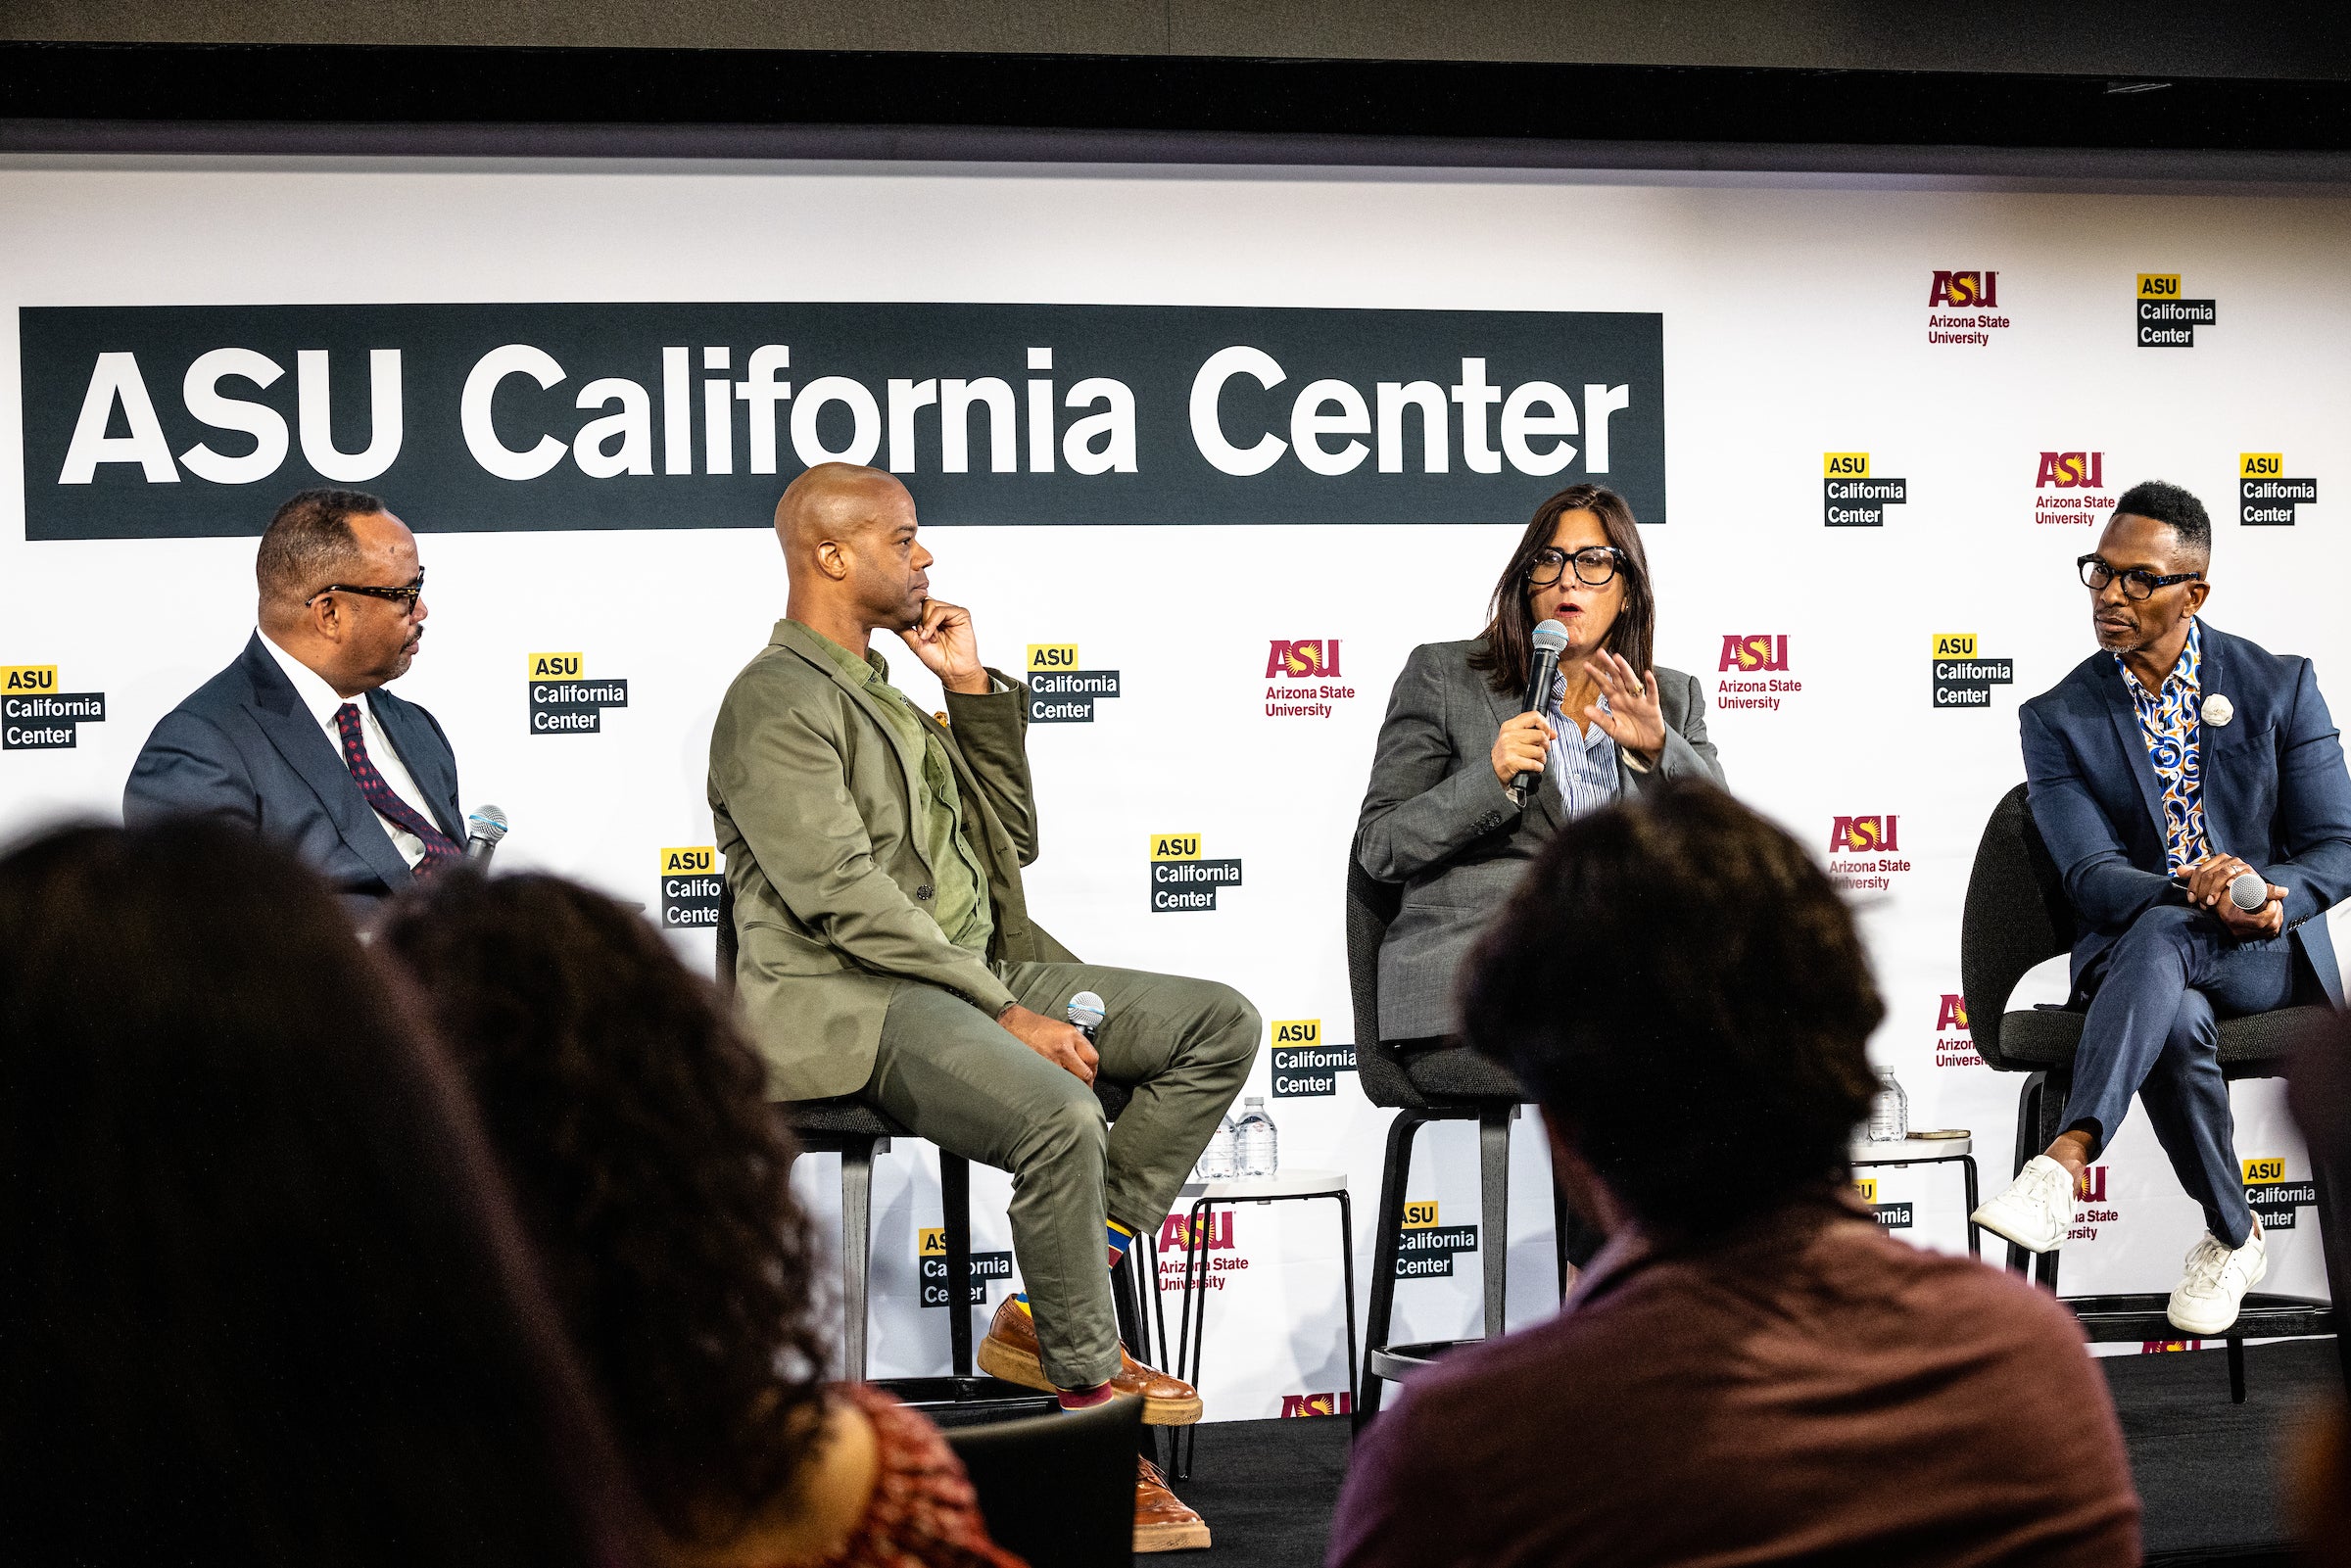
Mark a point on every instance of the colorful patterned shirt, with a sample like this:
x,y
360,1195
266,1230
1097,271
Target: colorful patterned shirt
x,y
2168,723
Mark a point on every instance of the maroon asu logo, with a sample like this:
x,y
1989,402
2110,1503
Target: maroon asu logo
x,y
1964,290
1294,661
1864,835
1757,650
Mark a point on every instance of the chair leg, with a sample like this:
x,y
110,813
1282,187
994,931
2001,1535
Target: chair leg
x,y
856,1252
1394,1172
2028,1123
2055,1086
2328,1180
1494,1202
955,1205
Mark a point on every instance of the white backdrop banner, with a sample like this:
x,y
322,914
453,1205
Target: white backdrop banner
x,y
1207,453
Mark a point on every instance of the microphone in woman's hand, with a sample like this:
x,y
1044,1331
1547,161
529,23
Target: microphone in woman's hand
x,y
1550,642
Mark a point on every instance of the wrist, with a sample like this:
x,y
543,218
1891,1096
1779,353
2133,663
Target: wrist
x,y
974,685
1006,1011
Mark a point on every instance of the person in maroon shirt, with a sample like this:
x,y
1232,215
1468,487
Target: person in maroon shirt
x,y
1750,1371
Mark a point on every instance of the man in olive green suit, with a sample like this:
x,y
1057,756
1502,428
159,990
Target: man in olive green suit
x,y
886,949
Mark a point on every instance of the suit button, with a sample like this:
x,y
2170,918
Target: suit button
x,y
922,892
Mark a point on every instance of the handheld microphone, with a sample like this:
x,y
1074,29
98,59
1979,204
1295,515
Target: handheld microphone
x,y
1551,640
1086,1011
484,827
2248,892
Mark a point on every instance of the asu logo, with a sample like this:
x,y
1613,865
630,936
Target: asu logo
x,y
2090,1187
1212,1232
1757,650
1864,835
690,886
35,716
1301,1404
1965,289
1316,656
2072,470
1953,1013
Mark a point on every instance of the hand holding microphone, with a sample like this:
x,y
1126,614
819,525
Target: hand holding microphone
x,y
2237,894
1524,743
1069,1046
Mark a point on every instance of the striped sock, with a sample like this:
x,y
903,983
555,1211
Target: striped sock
x,y
1120,1239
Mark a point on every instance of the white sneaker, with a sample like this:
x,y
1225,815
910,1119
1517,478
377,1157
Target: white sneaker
x,y
2036,1209
2217,1277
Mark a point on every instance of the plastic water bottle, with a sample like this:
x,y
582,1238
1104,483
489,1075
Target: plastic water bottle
x,y
1218,1162
1254,1141
1890,1111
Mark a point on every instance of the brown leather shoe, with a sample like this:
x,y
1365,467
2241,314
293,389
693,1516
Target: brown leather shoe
x,y
1010,1352
1162,1523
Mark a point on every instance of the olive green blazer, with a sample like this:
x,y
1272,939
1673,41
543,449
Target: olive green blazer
x,y
810,794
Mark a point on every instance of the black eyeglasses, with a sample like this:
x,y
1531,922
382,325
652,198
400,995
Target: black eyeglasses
x,y
2137,583
405,597
1595,566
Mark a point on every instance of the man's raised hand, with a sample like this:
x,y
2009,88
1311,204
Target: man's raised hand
x,y
943,639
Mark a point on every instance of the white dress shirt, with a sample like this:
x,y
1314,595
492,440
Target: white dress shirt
x,y
321,699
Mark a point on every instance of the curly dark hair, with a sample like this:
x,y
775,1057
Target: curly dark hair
x,y
634,1124
1683,989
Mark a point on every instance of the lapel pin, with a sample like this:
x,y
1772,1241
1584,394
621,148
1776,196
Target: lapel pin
x,y
2217,710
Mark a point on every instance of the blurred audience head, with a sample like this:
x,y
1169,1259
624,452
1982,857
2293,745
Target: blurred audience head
x,y
634,1126
1681,987
264,1303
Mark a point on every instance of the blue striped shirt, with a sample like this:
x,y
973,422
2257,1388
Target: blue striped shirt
x,y
1583,766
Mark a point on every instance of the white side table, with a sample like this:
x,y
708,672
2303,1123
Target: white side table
x,y
1900,1152
1288,1186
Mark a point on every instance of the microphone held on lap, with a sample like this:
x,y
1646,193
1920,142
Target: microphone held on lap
x,y
1550,642
485,825
2248,890
1086,1013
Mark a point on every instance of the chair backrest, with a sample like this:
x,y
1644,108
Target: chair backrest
x,y
1371,907
1058,1489
726,937
2017,915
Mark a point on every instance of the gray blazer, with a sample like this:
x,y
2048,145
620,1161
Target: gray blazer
x,y
1437,819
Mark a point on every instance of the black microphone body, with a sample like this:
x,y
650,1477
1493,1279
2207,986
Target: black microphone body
x,y
1550,642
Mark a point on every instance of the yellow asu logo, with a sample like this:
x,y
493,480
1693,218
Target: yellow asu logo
x,y
693,860
1420,1216
1954,645
2260,464
1845,464
1295,1032
1867,1187
1047,658
1175,846
20,680
2268,1169
557,666
2159,285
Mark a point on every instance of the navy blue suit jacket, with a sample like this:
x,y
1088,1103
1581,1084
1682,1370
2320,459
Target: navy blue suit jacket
x,y
242,746
2275,795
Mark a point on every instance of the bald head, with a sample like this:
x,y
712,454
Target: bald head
x,y
832,502
847,533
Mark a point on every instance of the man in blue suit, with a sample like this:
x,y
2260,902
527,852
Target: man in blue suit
x,y
2162,770
298,738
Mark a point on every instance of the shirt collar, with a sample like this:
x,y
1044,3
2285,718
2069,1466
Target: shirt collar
x,y
1591,738
308,684
871,666
2186,672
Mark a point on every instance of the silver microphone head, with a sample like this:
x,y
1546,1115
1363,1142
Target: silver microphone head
x,y
1551,638
1086,1011
2248,890
486,823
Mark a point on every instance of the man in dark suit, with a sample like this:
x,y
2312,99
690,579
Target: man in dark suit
x,y
298,738
2163,769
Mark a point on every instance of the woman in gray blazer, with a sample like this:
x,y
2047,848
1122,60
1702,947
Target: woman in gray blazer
x,y
1442,815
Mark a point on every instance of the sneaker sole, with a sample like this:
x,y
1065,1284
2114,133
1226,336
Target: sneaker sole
x,y
1015,1366
1191,1537
2219,1330
1986,1219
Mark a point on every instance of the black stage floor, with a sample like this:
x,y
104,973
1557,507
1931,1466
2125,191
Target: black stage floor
x,y
2207,1470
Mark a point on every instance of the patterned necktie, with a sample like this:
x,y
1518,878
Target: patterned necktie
x,y
439,850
